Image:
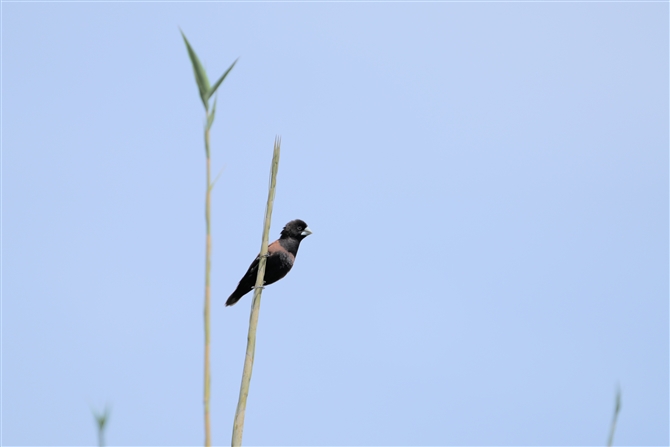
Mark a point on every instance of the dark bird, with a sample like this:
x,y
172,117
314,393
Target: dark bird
x,y
281,256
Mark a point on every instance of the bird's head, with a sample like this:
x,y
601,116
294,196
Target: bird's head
x,y
296,229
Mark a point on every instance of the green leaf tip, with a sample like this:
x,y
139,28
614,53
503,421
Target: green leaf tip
x,y
199,72
617,405
617,409
223,76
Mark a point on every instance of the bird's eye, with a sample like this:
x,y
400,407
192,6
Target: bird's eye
x,y
299,228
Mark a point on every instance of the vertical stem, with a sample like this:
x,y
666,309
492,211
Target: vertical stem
x,y
101,422
208,254
206,92
617,408
238,425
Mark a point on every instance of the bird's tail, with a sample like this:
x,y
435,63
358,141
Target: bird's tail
x,y
236,295
232,299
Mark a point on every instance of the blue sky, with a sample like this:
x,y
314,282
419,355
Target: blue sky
x,y
487,184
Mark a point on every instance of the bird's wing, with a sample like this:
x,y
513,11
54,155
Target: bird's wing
x,y
254,265
275,247
272,249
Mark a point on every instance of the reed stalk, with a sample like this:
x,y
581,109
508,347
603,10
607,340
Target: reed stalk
x,y
101,420
206,92
208,264
238,425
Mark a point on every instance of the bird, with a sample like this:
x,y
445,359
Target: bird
x,y
280,258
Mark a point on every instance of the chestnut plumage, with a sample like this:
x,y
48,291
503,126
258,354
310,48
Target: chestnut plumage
x,y
281,256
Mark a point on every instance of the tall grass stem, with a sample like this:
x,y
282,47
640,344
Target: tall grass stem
x,y
206,91
208,264
238,424
101,420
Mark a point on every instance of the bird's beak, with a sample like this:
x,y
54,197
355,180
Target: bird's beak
x,y
306,232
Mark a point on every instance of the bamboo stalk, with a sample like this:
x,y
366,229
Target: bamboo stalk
x,y
238,425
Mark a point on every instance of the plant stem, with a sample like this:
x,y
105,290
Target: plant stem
x,y
101,422
238,425
617,408
206,92
208,254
